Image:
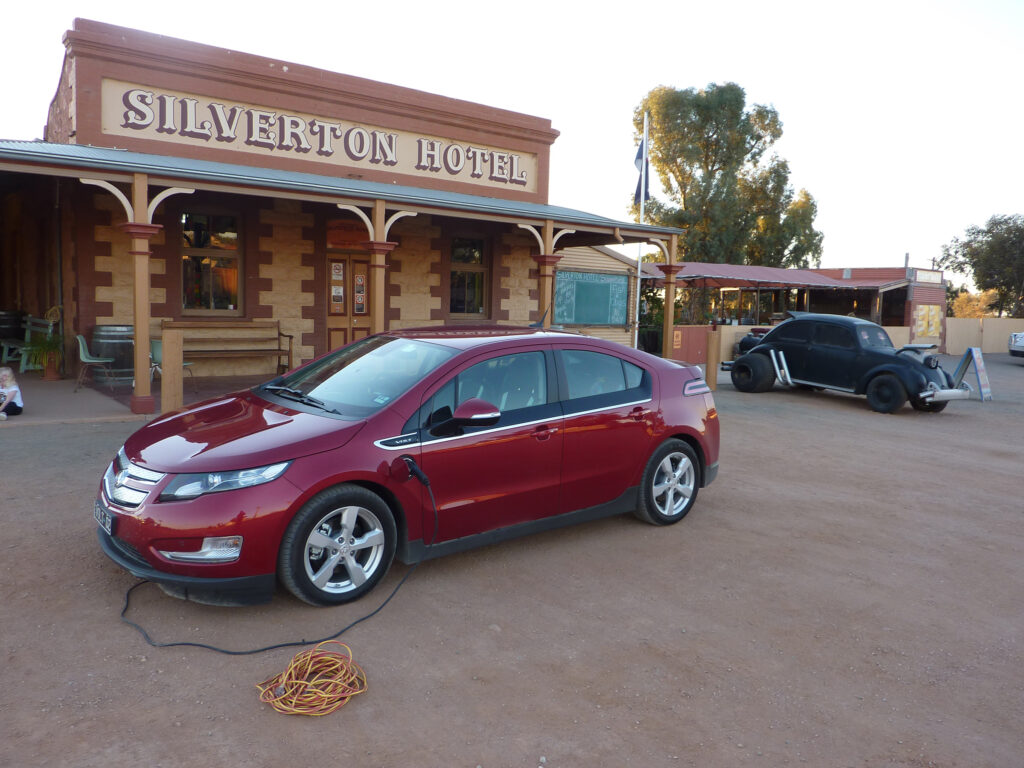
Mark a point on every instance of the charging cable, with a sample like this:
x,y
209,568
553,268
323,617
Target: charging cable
x,y
414,471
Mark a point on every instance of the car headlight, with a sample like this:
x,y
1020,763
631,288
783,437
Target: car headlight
x,y
193,486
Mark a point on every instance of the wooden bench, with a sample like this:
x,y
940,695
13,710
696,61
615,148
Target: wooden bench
x,y
216,340
13,349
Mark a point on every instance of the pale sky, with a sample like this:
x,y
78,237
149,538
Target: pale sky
x,y
904,120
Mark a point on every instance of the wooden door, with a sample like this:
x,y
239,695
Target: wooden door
x,y
348,298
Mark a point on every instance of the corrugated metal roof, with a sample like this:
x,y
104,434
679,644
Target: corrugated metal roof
x,y
183,169
742,276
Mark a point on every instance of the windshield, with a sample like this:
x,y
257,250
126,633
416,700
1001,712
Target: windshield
x,y
362,378
873,336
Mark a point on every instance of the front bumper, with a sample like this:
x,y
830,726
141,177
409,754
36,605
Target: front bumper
x,y
936,395
242,590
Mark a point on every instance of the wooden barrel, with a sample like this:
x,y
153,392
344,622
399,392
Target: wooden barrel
x,y
118,342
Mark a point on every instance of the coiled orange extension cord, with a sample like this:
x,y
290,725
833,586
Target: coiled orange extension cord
x,y
316,682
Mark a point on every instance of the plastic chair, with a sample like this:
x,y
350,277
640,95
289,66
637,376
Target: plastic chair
x,y
89,361
156,360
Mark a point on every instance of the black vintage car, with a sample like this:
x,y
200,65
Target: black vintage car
x,y
846,354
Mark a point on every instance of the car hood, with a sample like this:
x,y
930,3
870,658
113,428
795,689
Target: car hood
x,y
237,431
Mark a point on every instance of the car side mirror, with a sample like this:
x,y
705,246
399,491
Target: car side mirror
x,y
476,413
472,413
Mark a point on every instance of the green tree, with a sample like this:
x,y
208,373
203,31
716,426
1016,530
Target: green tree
x,y
734,203
994,256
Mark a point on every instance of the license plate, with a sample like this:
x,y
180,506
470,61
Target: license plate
x,y
104,517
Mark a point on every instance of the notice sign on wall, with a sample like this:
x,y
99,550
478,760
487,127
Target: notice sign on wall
x,y
591,298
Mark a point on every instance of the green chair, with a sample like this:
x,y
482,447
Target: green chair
x,y
88,361
156,361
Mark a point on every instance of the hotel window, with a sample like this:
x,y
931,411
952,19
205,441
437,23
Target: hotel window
x,y
209,263
469,278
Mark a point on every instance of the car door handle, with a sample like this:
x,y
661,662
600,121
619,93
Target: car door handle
x,y
543,432
638,414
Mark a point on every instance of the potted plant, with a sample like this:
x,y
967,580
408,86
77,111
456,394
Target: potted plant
x,y
46,352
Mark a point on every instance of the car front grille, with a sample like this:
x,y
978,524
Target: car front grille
x,y
128,484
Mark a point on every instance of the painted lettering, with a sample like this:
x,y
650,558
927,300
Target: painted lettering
x,y
138,106
188,122
385,148
479,157
190,117
499,167
429,155
516,176
454,159
167,124
225,123
292,133
327,133
357,143
260,124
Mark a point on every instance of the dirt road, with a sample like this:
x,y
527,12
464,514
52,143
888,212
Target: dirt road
x,y
850,592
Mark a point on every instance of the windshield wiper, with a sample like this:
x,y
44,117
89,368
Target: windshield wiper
x,y
297,394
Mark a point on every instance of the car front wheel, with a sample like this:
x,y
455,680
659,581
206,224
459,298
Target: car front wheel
x,y
670,483
928,406
338,547
886,393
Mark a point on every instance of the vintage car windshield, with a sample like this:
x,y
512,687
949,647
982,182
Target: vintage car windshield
x,y
873,336
362,378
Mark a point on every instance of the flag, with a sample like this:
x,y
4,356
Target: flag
x,y
643,165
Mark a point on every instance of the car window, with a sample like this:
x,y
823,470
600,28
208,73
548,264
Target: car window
x,y
511,382
833,336
873,336
362,378
593,373
791,331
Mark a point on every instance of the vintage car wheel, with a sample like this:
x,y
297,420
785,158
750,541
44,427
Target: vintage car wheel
x,y
670,483
926,406
752,373
886,393
338,547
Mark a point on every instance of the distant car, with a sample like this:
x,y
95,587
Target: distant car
x,y
846,354
320,477
1016,344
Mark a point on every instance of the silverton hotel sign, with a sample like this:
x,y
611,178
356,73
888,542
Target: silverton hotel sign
x,y
188,119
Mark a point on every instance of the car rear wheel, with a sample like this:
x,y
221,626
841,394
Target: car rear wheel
x,y
338,547
928,406
670,483
752,373
886,393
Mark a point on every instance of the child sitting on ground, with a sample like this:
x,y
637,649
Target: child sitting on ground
x,y
10,395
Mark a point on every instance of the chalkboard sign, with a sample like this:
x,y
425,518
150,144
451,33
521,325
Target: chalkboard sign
x,y
591,298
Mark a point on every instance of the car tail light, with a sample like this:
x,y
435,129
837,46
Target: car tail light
x,y
696,387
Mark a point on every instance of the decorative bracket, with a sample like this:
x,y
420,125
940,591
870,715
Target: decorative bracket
x,y
128,209
540,240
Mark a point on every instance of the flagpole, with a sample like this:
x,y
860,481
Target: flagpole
x,y
639,246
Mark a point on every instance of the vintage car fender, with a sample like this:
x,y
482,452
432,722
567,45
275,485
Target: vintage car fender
x,y
913,381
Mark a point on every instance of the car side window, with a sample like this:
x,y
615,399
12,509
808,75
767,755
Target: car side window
x,y
834,336
510,382
792,331
589,374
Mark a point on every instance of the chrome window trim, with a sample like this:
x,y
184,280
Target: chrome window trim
x,y
535,422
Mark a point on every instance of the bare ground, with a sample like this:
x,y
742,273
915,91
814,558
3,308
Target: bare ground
x,y
850,592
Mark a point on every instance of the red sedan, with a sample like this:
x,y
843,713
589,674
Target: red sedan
x,y
412,444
